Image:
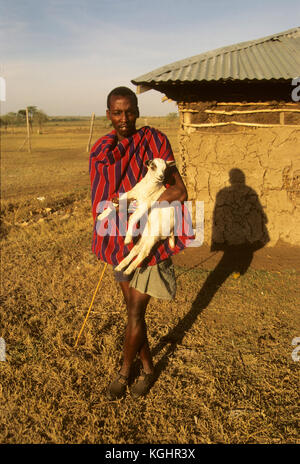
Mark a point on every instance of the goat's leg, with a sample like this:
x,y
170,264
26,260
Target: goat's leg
x,y
172,236
145,248
134,218
135,250
165,219
128,196
105,213
172,241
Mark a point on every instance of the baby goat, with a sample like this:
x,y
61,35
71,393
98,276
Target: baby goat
x,y
160,222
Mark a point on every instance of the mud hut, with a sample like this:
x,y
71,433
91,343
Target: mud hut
x,y
239,136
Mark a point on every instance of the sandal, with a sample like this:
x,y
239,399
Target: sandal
x,y
142,385
118,387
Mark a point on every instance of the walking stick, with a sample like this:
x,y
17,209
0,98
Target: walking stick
x,y
81,330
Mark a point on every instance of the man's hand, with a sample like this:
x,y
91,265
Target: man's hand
x,y
177,190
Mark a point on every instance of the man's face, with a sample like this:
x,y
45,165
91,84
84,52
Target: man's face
x,y
123,114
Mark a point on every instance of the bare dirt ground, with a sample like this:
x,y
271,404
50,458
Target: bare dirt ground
x,y
281,257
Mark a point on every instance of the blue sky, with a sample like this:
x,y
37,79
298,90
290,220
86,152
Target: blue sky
x,y
64,56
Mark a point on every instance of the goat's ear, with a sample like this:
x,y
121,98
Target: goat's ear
x,y
170,164
147,163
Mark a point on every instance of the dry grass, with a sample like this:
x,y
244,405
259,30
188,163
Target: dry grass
x,y
223,353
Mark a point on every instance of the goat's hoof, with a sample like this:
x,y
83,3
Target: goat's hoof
x,y
103,215
171,243
128,271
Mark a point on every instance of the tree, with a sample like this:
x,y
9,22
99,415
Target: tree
x,y
9,119
21,116
40,118
172,116
4,121
34,115
31,112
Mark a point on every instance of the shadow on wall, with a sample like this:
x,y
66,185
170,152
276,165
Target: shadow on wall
x,y
239,221
239,229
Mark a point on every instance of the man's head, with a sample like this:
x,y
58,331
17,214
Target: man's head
x,y
121,92
122,111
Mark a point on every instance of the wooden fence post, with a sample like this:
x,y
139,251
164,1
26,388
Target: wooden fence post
x,y
91,132
28,131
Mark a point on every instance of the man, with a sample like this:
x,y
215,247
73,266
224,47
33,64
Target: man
x,y
117,163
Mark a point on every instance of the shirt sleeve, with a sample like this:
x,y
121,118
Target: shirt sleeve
x,y
165,150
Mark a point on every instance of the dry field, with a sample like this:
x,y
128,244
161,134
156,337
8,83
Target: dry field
x,y
222,349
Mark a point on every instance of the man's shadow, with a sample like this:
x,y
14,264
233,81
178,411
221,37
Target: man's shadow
x,y
239,229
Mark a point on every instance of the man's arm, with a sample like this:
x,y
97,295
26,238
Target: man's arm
x,y
177,189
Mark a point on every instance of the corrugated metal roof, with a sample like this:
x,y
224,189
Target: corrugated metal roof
x,y
272,57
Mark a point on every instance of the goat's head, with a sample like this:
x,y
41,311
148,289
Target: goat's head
x,y
157,168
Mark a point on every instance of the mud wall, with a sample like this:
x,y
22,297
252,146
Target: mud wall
x,y
248,178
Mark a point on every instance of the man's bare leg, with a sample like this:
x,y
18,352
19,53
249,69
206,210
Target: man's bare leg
x,y
136,331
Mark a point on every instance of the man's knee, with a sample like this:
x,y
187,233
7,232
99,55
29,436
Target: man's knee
x,y
136,306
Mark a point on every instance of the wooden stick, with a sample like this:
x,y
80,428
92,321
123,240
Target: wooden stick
x,y
84,322
142,88
283,110
189,111
211,124
165,98
251,103
91,133
28,131
253,124
22,144
187,118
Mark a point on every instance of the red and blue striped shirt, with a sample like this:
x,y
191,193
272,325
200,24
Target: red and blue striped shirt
x,y
115,167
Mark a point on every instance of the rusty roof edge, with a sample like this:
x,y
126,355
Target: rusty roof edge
x,y
216,52
222,80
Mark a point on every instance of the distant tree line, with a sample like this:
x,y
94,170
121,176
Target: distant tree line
x,y
172,116
39,117
75,118
35,116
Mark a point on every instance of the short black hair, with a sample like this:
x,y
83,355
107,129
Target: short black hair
x,y
124,92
